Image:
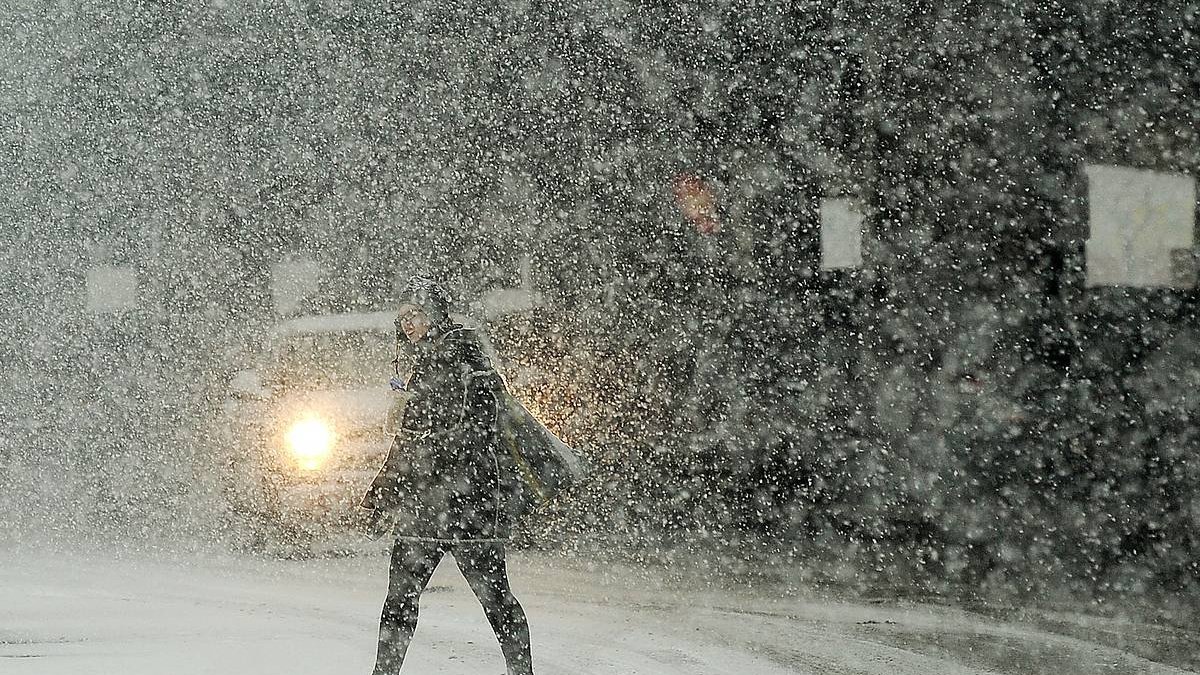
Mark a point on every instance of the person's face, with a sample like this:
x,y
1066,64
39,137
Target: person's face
x,y
413,323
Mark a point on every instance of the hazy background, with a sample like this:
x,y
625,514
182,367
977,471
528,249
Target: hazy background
x,y
975,396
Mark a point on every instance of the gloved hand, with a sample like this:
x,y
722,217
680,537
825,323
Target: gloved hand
x,y
397,384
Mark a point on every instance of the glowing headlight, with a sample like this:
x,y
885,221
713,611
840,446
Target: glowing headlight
x,y
310,441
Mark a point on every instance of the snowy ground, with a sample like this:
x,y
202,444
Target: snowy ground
x,y
134,615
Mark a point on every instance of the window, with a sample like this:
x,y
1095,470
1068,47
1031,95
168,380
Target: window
x,y
1141,228
841,235
111,289
318,361
294,279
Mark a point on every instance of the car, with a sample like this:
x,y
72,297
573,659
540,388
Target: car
x,y
306,429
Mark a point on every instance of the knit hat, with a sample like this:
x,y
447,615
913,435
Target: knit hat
x,y
427,295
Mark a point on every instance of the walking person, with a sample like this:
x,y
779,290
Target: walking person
x,y
442,482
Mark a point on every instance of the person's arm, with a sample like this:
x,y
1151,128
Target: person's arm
x,y
385,490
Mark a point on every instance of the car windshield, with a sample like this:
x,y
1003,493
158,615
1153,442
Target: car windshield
x,y
345,359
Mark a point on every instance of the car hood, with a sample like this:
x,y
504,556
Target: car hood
x,y
350,410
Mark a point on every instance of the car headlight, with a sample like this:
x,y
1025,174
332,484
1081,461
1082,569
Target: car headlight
x,y
310,441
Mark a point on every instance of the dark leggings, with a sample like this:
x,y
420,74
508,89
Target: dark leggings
x,y
483,566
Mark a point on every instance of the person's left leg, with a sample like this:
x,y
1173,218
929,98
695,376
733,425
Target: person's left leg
x,y
483,566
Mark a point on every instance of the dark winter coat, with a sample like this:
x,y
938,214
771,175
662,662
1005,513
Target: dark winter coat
x,y
442,477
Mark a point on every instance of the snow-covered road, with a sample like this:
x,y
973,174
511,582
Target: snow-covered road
x,y
140,615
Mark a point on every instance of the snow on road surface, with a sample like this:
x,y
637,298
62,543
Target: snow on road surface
x,y
94,613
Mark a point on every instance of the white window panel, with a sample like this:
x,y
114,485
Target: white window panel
x,y
1141,228
293,279
841,235
112,289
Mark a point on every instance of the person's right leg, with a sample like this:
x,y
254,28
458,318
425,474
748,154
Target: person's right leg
x,y
412,566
